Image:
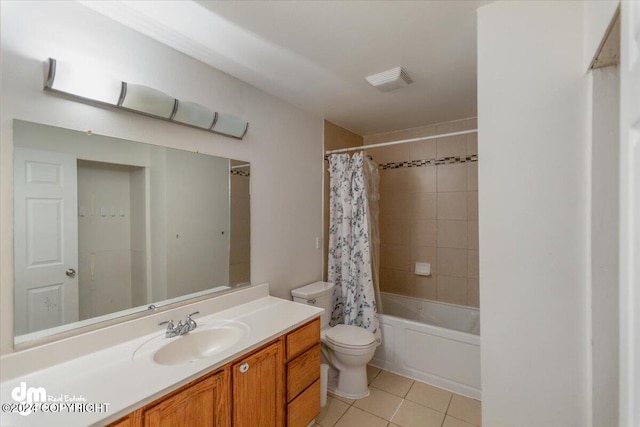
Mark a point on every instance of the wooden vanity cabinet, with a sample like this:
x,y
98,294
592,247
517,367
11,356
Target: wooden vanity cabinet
x,y
128,421
276,385
205,403
303,374
257,388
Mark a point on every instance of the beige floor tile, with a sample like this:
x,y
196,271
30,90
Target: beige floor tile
x,y
411,414
358,417
466,409
379,403
331,412
372,373
342,399
430,396
454,422
392,383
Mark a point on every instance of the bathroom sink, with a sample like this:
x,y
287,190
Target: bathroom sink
x,y
205,341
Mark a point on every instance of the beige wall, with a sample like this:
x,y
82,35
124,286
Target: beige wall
x,y
335,137
429,214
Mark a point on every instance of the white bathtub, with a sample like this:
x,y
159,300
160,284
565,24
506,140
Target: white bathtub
x,y
433,342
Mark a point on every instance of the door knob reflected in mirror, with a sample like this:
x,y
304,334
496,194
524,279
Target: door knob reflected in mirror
x,y
70,272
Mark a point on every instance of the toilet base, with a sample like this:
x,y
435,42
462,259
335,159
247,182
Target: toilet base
x,y
354,384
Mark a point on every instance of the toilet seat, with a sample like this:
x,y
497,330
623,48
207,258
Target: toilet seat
x,y
349,337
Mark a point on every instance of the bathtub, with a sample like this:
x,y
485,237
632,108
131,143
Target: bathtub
x,y
432,342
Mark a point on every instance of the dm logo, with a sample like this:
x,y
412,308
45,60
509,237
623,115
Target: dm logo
x,y
28,395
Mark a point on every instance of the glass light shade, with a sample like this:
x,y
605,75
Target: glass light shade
x,y
83,81
148,100
230,125
194,114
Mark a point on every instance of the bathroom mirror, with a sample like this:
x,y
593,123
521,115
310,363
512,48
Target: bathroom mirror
x,y
106,227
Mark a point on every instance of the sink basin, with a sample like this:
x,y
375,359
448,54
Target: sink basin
x,y
205,341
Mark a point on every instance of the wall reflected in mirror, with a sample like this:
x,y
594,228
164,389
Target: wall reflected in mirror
x,y
106,227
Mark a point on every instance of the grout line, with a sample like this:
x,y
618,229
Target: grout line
x,y
464,421
449,404
397,409
370,413
340,417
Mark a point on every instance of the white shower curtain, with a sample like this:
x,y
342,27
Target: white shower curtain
x,y
349,250
372,184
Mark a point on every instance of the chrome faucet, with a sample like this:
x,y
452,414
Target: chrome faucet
x,y
190,322
181,328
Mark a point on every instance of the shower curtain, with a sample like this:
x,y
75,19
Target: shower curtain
x,y
349,261
372,184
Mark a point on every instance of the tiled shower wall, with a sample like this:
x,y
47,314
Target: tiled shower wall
x,y
429,213
335,137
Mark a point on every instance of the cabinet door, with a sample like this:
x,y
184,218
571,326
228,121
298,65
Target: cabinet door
x,y
203,404
258,389
128,421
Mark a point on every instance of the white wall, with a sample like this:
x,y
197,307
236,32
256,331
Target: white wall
x,y
598,15
533,114
604,243
139,212
197,222
106,289
283,143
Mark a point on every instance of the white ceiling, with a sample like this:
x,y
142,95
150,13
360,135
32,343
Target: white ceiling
x,y
316,54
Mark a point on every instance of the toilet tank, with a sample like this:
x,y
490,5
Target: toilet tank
x,y
318,294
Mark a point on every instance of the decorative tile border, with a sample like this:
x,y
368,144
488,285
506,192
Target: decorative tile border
x,y
239,172
429,162
425,162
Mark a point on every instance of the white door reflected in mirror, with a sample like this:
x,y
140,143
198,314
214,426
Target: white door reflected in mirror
x,y
46,239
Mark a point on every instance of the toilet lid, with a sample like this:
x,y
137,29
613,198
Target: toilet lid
x,y
348,335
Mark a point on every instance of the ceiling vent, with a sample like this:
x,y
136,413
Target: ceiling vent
x,y
394,78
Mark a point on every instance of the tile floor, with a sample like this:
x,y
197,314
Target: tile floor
x,y
397,401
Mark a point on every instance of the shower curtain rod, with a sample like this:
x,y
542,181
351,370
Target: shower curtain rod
x,y
402,141
245,165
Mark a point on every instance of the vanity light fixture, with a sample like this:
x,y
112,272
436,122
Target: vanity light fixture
x,y
230,125
143,99
78,80
194,114
89,85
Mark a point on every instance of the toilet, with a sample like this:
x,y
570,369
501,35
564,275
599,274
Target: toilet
x,y
347,348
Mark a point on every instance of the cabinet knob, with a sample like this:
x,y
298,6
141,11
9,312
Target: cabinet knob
x,y
244,367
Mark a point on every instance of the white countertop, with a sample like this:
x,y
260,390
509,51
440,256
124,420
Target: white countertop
x,y
111,379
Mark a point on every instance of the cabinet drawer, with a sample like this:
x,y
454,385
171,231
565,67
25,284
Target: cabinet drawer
x,y
305,407
303,338
302,371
